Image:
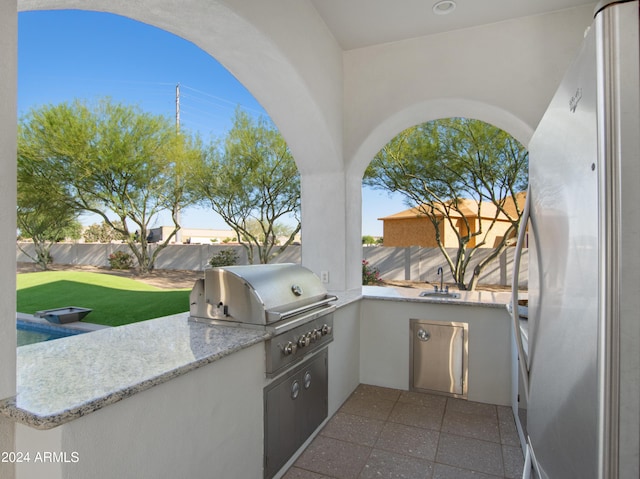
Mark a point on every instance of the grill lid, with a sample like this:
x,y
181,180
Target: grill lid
x,y
256,294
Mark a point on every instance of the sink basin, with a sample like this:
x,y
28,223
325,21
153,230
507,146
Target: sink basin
x,y
438,294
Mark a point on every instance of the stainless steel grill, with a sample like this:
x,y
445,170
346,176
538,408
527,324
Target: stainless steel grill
x,y
285,299
290,302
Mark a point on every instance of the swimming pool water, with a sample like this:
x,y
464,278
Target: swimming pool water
x,y
29,333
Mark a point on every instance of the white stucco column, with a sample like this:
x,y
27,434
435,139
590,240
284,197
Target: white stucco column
x,y
353,231
8,80
331,226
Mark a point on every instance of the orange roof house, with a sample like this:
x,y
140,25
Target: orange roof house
x,y
413,228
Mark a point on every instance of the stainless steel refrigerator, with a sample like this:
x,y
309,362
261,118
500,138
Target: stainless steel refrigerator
x,y
582,368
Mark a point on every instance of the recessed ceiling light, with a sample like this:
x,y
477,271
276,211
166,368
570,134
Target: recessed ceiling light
x,y
444,7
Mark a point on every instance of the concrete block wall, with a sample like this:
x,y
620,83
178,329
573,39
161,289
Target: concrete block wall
x,y
411,263
421,264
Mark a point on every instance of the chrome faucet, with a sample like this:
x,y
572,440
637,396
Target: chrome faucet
x,y
443,292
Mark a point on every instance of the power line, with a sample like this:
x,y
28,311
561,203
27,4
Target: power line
x,y
224,100
193,107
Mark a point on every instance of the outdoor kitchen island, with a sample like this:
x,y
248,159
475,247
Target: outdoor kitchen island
x,y
186,399
386,338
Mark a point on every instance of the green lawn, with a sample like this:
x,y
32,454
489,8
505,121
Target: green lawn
x,y
114,300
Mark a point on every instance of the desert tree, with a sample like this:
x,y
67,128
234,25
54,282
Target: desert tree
x,y
450,170
45,212
251,180
116,161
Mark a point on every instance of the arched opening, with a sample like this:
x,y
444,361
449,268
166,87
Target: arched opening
x,y
210,112
457,186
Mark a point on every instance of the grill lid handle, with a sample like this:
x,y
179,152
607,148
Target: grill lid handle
x,y
279,316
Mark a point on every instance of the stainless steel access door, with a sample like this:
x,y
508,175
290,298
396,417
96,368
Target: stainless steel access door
x,y
439,357
295,405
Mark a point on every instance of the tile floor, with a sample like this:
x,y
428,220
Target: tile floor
x,y
387,433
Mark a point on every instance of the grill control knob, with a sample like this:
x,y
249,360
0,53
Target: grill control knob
x,y
326,329
289,348
304,341
315,334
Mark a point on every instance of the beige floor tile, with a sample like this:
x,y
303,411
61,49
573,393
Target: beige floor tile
x,y
297,473
389,465
387,433
349,427
508,431
423,399
379,392
442,471
372,407
471,425
513,461
339,459
471,407
417,416
469,453
408,440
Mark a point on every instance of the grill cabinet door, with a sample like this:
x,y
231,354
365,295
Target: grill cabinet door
x,y
295,405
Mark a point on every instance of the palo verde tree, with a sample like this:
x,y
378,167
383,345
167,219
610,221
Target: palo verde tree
x,y
114,160
460,172
45,212
252,182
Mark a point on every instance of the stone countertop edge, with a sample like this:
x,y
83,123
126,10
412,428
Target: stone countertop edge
x,y
126,360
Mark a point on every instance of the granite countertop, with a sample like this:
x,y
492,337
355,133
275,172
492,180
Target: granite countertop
x,y
61,380
488,299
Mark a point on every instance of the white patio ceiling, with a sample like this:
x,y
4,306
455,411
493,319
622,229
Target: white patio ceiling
x,y
360,23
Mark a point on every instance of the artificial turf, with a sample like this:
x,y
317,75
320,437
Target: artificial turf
x,y
114,300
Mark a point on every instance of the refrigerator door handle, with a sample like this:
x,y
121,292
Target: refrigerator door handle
x,y
526,471
524,367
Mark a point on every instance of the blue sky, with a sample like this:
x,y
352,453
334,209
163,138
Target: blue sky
x,y
64,55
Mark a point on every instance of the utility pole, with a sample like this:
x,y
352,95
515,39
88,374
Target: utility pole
x,y
179,232
178,107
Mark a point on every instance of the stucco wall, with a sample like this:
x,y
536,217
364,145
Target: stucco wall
x,y
385,338
8,132
207,423
344,355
